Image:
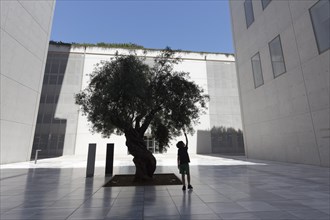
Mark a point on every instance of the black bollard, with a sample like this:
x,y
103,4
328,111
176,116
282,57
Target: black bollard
x,y
91,160
109,160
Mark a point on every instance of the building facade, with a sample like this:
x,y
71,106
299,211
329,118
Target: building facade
x,y
62,130
282,60
25,31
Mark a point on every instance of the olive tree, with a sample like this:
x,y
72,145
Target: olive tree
x,y
127,96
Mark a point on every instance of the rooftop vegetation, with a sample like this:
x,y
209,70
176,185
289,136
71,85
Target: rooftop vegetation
x,y
131,46
101,44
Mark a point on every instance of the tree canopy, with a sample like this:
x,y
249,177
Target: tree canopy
x,y
126,93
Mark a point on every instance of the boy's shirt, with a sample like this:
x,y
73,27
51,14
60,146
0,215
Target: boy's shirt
x,y
183,155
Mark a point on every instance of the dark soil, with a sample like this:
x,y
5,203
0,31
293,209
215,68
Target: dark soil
x,y
158,179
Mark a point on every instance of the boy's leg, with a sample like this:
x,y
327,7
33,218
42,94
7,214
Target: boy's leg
x,y
183,182
188,178
188,174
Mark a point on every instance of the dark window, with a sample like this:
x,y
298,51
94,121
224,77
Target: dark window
x,y
47,119
52,79
36,140
56,99
49,99
55,67
43,141
320,15
56,121
257,71
276,55
249,16
53,141
61,138
62,68
265,3
60,80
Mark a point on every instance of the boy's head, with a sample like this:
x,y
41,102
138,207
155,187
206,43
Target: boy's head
x,y
180,144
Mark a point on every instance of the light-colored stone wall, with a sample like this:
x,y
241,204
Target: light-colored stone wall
x,y
58,114
25,31
222,86
287,118
210,71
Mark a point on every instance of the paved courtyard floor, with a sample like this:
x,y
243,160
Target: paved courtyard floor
x,y
224,188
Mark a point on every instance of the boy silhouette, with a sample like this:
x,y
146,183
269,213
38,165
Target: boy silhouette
x,y
183,162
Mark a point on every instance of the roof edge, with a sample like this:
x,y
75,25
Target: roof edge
x,y
129,46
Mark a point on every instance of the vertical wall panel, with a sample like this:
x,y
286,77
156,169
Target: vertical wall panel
x,y
25,31
287,118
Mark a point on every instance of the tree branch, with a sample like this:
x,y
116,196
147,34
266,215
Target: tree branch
x,y
137,122
148,120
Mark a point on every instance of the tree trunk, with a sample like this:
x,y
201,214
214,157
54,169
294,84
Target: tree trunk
x,y
145,162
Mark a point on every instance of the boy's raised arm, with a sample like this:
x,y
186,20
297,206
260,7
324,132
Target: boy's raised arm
x,y
186,139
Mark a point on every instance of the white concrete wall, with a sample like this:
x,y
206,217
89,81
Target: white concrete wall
x,y
25,31
195,63
223,90
84,134
57,121
287,118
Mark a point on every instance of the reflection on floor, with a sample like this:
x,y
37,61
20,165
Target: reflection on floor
x,y
224,188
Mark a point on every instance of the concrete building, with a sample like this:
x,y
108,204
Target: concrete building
x,y
61,130
282,60
25,30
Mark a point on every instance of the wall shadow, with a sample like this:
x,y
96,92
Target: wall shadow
x,y
221,140
50,130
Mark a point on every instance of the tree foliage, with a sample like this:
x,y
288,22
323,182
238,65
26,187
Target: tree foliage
x,y
125,93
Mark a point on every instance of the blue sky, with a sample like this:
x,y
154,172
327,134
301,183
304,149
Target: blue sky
x,y
188,25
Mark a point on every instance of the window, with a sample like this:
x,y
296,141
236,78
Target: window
x,y
47,69
257,71
49,99
320,14
56,121
276,55
55,66
152,144
47,119
56,99
249,16
60,80
62,68
52,79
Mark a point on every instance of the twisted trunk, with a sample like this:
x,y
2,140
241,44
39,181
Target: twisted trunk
x,y
145,162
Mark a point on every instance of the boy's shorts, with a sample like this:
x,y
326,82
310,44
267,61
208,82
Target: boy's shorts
x,y
184,168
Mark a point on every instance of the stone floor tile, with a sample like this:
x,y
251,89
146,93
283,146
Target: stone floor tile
x,y
201,217
90,213
275,215
163,210
239,216
194,210
224,188
135,211
226,207
310,214
257,206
